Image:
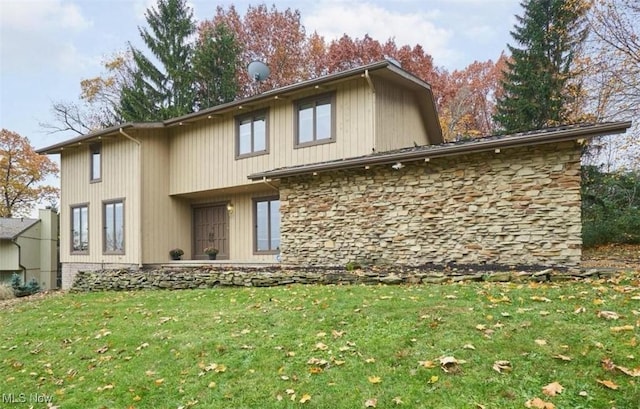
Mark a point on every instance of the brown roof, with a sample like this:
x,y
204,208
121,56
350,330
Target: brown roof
x,y
542,136
385,69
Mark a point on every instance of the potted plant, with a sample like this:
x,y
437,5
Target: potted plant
x,y
176,254
212,252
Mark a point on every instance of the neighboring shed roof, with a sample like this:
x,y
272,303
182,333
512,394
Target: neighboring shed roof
x,y
538,137
12,228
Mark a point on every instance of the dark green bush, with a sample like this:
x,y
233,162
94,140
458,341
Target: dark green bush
x,y
610,207
21,290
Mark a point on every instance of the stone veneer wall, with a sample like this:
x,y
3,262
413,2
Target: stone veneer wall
x,y
520,206
71,270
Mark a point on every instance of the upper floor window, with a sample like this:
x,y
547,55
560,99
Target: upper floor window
x,y
252,134
315,120
96,161
267,225
80,229
113,237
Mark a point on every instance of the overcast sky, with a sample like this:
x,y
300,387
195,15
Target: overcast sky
x,y
48,46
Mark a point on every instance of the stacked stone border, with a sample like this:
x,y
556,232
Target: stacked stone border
x,y
210,277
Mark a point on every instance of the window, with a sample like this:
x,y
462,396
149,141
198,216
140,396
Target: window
x,y
113,237
252,135
267,224
315,120
80,229
96,162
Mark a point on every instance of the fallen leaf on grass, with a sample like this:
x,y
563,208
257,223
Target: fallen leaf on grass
x,y
541,299
371,403
608,315
539,404
622,328
433,379
552,389
305,398
450,364
562,357
104,388
321,346
631,372
502,366
427,364
609,384
397,400
468,346
540,342
374,379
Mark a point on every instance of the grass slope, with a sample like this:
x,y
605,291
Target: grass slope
x,y
328,347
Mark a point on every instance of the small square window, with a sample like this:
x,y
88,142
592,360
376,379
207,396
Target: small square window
x,y
315,120
252,135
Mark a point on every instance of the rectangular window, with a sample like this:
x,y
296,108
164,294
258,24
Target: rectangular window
x,y
252,135
96,161
315,120
267,225
113,237
80,229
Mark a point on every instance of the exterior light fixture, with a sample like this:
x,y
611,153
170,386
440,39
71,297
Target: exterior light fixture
x,y
230,208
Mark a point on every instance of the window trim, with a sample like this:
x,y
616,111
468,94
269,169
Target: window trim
x,y
95,148
254,206
71,249
253,116
105,203
331,96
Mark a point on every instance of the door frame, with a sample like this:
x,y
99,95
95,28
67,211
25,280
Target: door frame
x,y
194,207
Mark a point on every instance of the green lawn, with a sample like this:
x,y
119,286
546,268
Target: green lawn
x,y
430,346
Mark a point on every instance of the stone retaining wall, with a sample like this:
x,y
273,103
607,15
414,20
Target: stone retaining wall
x,y
515,206
209,277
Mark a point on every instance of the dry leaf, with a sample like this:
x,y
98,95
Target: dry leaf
x,y
159,381
315,370
468,346
608,384
502,366
305,398
562,357
370,360
552,389
539,404
427,364
631,372
371,403
322,347
622,328
433,379
540,342
374,379
542,299
397,400
608,315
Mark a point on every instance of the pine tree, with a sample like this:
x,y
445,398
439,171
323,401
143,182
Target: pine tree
x,y
539,74
215,66
157,93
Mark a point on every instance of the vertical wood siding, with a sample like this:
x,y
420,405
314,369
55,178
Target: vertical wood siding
x,y
398,119
202,154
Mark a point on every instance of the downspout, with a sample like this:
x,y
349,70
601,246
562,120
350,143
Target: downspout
x,y
23,268
373,106
139,210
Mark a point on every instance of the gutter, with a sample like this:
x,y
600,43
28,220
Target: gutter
x,y
436,151
139,209
23,268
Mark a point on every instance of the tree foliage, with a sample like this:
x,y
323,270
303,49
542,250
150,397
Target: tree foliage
x,y
22,171
538,86
164,91
610,206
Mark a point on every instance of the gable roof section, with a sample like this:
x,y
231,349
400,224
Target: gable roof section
x,y
543,136
384,69
12,228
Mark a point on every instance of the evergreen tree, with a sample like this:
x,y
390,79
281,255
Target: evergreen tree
x,y
167,91
215,66
538,77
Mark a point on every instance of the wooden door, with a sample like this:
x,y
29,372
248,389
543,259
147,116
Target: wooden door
x,y
211,229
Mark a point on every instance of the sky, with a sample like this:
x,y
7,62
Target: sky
x,y
48,46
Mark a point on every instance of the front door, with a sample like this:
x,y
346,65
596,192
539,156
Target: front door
x,y
211,229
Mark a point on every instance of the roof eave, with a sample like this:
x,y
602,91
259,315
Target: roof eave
x,y
453,150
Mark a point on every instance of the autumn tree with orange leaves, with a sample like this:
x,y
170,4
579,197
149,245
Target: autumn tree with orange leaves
x,y
22,172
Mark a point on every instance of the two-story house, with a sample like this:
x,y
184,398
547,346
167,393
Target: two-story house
x,y
347,166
